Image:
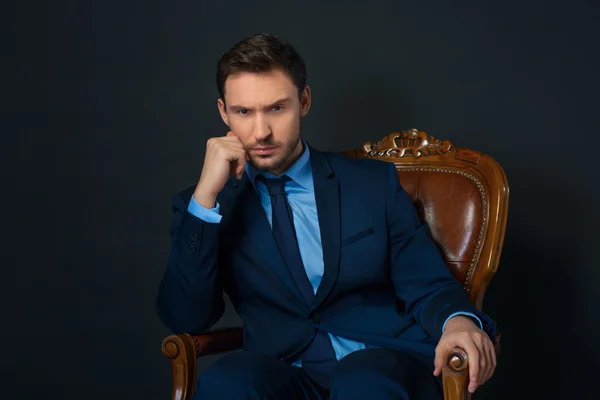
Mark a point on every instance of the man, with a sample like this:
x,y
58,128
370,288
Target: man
x,y
342,292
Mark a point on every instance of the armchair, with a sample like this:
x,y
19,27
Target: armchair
x,y
463,196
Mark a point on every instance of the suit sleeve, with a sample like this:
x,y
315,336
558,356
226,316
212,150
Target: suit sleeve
x,y
190,295
419,273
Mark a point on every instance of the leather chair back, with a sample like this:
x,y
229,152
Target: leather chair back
x,y
463,196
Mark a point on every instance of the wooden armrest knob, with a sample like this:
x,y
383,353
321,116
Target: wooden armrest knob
x,y
180,349
457,360
455,375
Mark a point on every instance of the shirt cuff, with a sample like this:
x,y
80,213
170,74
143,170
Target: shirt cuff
x,y
210,215
467,314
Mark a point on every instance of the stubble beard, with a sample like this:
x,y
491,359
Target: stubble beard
x,y
278,163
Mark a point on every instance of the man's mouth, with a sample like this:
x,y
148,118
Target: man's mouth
x,y
264,150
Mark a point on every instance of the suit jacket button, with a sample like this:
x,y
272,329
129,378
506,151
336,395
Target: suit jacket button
x,y
314,319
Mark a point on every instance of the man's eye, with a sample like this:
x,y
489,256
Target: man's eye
x,y
243,112
277,108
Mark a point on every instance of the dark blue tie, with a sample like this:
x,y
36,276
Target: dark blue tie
x,y
318,359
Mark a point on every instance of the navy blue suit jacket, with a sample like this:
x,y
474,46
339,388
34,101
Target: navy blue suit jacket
x,y
384,284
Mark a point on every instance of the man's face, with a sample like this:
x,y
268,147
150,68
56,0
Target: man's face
x,y
263,110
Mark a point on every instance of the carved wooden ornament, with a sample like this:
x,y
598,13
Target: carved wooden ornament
x,y
413,143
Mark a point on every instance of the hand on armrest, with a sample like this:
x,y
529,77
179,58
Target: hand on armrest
x,y
462,332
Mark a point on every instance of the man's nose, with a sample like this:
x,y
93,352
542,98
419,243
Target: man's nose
x,y
262,128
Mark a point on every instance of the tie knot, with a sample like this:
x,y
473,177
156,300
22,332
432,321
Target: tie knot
x,y
275,186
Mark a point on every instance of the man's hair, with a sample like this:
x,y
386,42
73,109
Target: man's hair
x,y
261,53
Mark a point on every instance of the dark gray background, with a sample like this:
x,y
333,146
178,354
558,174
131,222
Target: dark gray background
x,y
107,107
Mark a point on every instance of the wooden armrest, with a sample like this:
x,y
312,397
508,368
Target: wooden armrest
x,y
455,376
218,341
455,373
184,349
180,349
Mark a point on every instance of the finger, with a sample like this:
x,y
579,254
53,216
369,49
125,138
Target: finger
x,y
241,165
484,362
231,138
235,155
492,357
237,162
493,351
438,363
232,141
239,172
473,356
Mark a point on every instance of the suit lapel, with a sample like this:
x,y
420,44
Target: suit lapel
x,y
261,234
327,196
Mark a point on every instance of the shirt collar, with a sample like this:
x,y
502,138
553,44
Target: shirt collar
x,y
300,172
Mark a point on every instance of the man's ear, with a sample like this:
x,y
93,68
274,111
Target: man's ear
x,y
223,111
305,101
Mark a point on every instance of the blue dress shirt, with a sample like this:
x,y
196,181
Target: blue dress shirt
x,y
301,198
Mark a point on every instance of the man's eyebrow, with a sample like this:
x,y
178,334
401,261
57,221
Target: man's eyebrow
x,y
238,107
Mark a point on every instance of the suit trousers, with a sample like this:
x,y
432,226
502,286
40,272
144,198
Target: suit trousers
x,y
372,373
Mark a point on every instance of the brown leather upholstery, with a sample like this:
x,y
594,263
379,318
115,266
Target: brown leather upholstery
x,y
451,203
463,196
